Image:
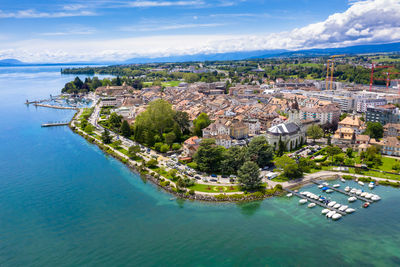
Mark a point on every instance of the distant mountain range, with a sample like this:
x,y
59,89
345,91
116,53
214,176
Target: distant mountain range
x,y
259,54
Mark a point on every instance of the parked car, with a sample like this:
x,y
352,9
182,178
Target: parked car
x,y
213,180
197,177
224,176
213,175
205,180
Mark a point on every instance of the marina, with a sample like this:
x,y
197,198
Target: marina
x,y
344,192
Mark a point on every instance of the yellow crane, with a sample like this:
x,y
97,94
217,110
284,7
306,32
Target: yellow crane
x,y
330,64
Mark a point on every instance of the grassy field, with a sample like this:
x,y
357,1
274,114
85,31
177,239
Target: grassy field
x,y
215,189
169,83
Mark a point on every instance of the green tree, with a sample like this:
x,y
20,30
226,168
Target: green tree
x,y
169,138
349,152
201,122
182,118
125,129
133,150
176,146
374,130
164,148
106,137
333,150
315,132
306,164
249,175
89,128
281,147
290,169
115,121
260,151
209,156
233,159
152,164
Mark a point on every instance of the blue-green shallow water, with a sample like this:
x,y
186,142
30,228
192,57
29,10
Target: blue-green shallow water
x,y
64,203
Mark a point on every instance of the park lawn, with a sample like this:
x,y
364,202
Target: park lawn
x,y
214,189
387,163
171,83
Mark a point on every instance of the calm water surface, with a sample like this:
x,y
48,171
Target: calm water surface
x,y
64,203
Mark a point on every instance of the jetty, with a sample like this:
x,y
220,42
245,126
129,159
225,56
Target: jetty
x,y
54,106
314,201
51,124
344,192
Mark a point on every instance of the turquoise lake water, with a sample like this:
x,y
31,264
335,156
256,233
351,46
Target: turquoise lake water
x,y
64,203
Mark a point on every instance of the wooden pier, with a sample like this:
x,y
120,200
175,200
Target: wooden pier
x,y
315,201
55,124
344,192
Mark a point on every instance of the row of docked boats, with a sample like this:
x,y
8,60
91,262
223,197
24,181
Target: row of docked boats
x,y
361,193
371,185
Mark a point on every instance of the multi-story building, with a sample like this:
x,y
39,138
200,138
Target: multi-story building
x,y
389,146
391,129
329,113
383,114
363,104
352,122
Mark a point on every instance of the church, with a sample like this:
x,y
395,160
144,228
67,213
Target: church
x,y
292,132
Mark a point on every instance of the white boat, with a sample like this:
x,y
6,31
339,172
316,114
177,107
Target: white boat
x,y
303,201
289,195
360,183
375,198
368,196
303,193
325,211
336,206
331,204
350,210
336,185
329,191
358,192
347,189
330,214
320,186
336,216
353,191
371,186
343,180
363,194
352,199
312,205
343,208
325,183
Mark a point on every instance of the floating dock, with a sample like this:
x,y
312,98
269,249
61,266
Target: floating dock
x,y
315,201
54,106
344,192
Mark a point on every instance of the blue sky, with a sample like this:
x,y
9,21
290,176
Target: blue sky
x,y
55,31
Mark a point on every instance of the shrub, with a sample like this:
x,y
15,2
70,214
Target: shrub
x,y
176,146
164,148
151,163
191,192
192,165
348,177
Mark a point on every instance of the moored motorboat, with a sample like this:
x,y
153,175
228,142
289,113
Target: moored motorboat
x,y
353,191
330,214
343,180
329,191
350,210
336,206
347,189
303,201
320,186
368,196
336,216
325,183
371,185
375,198
363,194
366,205
360,183
352,199
336,185
343,208
325,211
358,192
331,204
289,195
312,205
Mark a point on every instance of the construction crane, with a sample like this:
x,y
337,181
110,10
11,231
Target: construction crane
x,y
387,79
330,64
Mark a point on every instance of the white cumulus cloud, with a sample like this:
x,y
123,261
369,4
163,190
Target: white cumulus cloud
x,y
363,22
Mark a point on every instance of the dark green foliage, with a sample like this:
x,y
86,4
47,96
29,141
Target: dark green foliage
x,y
290,168
233,159
260,151
106,137
249,176
209,156
201,122
125,129
374,130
